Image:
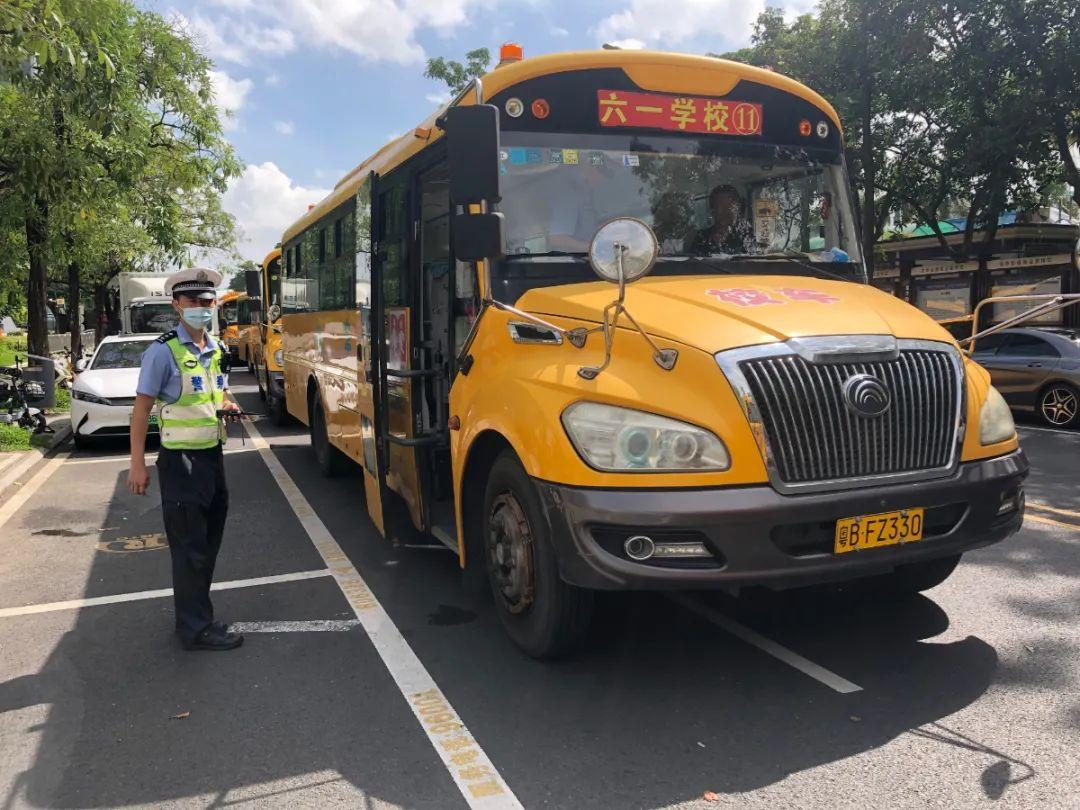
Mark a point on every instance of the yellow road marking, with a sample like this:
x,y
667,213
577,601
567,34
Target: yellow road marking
x,y
1028,516
1055,509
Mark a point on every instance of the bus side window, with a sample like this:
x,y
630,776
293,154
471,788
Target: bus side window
x,y
393,235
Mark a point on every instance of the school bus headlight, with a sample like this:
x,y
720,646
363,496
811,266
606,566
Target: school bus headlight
x,y
278,357
624,440
995,420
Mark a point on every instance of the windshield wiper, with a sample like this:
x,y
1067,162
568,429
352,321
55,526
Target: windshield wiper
x,y
582,255
791,255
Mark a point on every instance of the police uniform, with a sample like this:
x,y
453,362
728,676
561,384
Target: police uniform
x,y
188,385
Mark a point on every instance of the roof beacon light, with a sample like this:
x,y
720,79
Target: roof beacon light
x,y
804,128
540,108
510,52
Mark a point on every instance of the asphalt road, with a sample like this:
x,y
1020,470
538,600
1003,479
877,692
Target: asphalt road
x,y
967,696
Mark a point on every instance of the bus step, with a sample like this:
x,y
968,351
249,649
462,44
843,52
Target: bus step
x,y
447,535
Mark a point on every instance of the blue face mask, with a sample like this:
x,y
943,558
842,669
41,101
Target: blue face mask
x,y
198,317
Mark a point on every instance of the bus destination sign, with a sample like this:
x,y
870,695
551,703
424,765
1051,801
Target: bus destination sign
x,y
618,108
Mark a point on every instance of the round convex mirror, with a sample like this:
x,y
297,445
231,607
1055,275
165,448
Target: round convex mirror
x,y
633,239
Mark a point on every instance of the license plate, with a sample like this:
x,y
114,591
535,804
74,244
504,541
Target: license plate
x,y
882,529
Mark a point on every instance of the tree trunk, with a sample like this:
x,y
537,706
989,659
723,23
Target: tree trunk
x,y
38,281
101,311
869,218
74,296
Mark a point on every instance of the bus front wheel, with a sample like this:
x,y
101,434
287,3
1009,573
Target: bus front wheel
x,y
327,456
543,615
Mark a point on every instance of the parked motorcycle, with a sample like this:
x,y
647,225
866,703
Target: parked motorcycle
x,y
16,397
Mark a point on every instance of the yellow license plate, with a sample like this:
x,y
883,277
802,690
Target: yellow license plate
x,y
882,529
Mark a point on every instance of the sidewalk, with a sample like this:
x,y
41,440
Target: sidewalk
x,y
16,464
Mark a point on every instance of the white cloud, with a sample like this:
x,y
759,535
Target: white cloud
x,y
374,30
265,202
285,127
670,23
229,95
438,98
630,44
558,31
234,39
272,80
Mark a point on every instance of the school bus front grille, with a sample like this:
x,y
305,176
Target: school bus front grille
x,y
815,435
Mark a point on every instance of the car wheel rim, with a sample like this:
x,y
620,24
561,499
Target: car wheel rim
x,y
510,552
1059,406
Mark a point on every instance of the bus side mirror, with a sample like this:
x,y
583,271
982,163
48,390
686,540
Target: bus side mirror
x,y
472,135
479,236
252,282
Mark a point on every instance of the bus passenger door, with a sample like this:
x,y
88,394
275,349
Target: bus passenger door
x,y
373,462
393,325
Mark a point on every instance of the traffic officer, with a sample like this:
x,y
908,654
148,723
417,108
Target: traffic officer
x,y
182,374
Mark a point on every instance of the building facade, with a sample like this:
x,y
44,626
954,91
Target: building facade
x,y
1022,259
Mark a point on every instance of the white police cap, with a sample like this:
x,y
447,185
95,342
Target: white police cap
x,y
199,282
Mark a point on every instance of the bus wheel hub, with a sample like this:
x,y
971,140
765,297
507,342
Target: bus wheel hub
x,y
510,552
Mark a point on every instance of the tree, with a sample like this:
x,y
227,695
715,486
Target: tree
x,y
964,105
112,149
458,76
238,282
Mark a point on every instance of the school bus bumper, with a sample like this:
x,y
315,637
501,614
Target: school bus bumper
x,y
757,536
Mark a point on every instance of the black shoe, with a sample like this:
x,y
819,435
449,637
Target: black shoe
x,y
214,638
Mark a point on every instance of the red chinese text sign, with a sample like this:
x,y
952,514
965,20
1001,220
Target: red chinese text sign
x,y
617,108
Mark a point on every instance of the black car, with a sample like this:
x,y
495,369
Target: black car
x,y
1036,370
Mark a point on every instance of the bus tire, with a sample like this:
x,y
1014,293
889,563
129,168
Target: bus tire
x,y
327,456
908,580
279,413
543,615
259,383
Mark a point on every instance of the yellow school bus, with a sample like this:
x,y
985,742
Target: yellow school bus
x,y
228,304
603,323
248,309
266,360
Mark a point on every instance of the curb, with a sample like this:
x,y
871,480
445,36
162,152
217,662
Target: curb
x,y
29,458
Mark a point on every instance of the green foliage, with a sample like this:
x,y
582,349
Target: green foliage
x,y
63,401
963,108
112,155
456,75
13,437
10,345
238,282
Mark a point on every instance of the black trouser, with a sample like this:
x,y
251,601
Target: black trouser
x,y
194,504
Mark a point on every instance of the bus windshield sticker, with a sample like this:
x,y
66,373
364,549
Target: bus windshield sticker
x,y
555,156
631,160
518,155
680,113
570,157
533,156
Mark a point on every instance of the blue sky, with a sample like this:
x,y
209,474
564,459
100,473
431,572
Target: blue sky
x,y
316,86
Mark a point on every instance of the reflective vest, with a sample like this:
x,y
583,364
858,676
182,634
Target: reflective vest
x,y
191,423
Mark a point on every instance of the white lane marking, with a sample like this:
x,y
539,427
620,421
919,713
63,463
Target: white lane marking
x,y
150,458
1063,432
12,504
26,460
318,626
805,666
9,459
137,596
481,785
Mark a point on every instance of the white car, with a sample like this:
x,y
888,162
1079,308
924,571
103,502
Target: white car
x,y
103,395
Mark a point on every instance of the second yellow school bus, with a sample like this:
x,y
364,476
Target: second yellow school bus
x,y
738,408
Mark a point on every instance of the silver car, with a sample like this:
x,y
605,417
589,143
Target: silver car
x,y
1036,370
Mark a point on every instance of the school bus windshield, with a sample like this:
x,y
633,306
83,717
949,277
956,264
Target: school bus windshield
x,y
725,203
